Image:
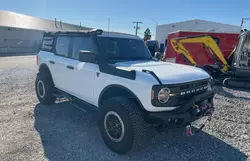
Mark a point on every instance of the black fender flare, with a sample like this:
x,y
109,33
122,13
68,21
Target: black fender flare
x,y
122,88
44,68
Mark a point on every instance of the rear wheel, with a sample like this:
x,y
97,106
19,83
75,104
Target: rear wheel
x,y
44,89
121,125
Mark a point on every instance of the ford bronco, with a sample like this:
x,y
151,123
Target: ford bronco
x,y
116,74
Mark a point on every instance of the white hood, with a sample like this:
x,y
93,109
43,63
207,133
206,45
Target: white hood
x,y
168,73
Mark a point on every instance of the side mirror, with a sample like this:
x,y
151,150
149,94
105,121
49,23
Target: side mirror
x,y
87,56
158,55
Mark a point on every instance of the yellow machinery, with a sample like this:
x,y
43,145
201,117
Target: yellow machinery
x,y
208,42
237,74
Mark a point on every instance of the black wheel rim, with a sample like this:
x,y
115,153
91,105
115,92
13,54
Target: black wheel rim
x,y
40,89
114,126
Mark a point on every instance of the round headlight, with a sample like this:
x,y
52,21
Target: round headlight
x,y
163,95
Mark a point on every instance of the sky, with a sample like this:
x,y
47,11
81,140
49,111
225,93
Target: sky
x,y
122,13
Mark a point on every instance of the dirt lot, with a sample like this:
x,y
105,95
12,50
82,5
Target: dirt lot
x,y
30,131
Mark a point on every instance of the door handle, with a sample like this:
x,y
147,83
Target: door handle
x,y
70,67
51,62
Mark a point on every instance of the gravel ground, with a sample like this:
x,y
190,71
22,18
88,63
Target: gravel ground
x,y
30,131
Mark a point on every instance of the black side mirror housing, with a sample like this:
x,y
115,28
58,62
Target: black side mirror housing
x,y
158,55
87,56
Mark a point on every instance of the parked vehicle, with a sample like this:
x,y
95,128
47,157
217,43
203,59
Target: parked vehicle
x,y
225,41
239,71
221,64
154,48
115,74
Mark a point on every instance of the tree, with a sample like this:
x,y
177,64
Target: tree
x,y
147,34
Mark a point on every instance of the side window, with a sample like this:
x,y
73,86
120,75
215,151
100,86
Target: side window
x,y
62,45
82,43
47,44
217,40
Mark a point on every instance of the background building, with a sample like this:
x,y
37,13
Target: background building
x,y
21,34
162,31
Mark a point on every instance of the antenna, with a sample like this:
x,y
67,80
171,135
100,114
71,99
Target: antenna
x,y
55,23
60,23
108,25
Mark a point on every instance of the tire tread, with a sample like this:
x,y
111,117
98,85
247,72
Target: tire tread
x,y
135,114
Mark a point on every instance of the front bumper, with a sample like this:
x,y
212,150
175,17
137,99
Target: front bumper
x,y
198,107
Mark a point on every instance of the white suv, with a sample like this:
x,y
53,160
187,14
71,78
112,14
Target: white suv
x,y
115,74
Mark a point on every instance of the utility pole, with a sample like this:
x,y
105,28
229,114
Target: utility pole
x,y
137,27
108,24
242,21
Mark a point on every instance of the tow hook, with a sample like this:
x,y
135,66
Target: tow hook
x,y
189,127
189,131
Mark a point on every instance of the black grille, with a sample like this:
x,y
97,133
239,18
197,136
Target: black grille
x,y
181,93
178,88
193,85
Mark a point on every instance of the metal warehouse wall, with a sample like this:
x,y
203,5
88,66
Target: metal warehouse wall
x,y
162,31
14,40
23,34
12,19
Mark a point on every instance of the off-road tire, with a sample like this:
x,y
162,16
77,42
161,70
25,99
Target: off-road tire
x,y
134,124
48,97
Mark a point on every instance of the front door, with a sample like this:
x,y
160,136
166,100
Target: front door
x,y
82,74
61,59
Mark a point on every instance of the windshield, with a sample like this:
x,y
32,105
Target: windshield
x,y
124,49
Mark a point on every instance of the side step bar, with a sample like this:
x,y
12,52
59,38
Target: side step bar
x,y
74,101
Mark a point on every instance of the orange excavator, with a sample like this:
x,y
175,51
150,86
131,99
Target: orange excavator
x,y
231,71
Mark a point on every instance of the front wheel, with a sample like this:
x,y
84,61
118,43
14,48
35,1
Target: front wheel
x,y
121,125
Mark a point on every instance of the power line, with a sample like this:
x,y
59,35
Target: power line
x,y
156,23
137,27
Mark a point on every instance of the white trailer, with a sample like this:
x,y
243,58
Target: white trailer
x,y
162,31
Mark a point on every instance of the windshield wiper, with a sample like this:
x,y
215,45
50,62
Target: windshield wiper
x,y
130,58
118,58
141,58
